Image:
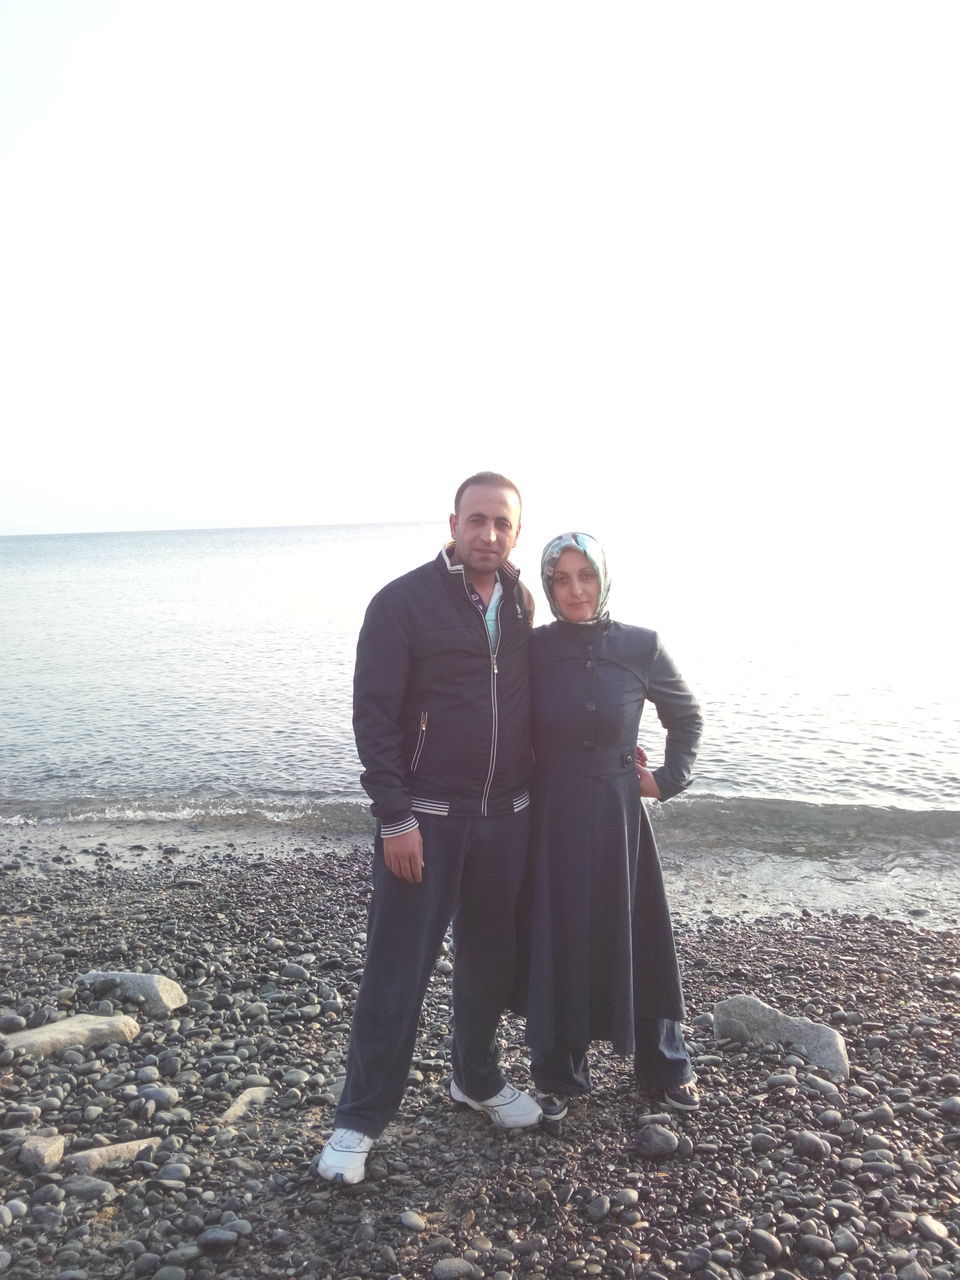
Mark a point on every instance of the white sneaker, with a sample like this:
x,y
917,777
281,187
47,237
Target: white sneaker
x,y
509,1108
344,1157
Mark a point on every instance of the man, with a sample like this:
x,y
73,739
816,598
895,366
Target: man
x,y
441,718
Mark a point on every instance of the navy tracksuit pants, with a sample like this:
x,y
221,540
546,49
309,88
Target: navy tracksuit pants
x,y
472,874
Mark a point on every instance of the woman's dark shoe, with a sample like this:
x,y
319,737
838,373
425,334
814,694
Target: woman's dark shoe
x,y
685,1097
553,1105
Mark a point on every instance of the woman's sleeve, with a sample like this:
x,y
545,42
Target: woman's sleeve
x,y
679,713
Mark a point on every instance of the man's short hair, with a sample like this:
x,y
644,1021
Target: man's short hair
x,y
492,479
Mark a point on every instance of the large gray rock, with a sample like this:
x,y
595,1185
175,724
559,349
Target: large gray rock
x,y
40,1155
160,995
87,1030
747,1019
116,1153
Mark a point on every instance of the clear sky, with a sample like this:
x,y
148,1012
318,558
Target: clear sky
x,y
688,268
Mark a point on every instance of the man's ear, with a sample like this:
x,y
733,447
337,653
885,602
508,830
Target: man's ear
x,y
453,524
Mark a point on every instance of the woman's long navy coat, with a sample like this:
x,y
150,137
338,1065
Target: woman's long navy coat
x,y
601,944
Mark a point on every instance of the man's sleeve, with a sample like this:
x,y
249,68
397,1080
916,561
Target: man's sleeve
x,y
379,686
680,715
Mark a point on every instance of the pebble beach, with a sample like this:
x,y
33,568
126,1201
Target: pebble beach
x,y
186,1152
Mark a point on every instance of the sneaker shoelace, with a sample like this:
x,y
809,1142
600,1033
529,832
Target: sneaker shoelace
x,y
350,1141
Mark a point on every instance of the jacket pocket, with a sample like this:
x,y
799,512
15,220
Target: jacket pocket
x,y
421,739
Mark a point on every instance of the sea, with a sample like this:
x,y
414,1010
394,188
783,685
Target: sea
x,y
205,675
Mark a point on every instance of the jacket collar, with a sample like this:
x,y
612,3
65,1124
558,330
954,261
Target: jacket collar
x,y
509,571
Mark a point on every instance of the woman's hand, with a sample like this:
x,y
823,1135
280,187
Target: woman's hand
x,y
648,783
641,759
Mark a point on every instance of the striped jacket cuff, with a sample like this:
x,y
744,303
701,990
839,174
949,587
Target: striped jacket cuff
x,y
400,826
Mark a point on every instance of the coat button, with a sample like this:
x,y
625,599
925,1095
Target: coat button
x,y
591,706
589,743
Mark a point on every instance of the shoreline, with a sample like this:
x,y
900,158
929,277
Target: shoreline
x,y
781,1173
714,862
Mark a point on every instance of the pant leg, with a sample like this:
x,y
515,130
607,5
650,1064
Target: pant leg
x,y
485,948
661,1057
405,930
563,1069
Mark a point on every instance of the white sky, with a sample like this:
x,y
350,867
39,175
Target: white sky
x,y
691,268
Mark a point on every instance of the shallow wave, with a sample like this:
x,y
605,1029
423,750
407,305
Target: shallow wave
x,y
812,830
342,816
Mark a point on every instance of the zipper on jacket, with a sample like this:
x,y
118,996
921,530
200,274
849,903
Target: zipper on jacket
x,y
493,695
493,706
420,741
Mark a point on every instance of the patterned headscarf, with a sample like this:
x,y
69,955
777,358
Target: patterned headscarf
x,y
592,549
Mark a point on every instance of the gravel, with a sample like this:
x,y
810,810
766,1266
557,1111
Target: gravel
x,y
781,1172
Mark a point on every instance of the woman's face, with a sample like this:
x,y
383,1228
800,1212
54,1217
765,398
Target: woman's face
x,y
576,587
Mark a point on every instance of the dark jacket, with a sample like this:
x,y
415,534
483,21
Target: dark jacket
x,y
437,714
590,687
601,951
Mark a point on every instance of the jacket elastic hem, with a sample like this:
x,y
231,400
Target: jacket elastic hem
x,y
399,826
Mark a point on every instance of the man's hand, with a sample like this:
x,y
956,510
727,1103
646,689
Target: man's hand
x,y
404,855
641,759
648,783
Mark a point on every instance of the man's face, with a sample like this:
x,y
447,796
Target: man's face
x,y
485,528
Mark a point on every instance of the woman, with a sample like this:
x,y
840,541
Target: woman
x,y
603,964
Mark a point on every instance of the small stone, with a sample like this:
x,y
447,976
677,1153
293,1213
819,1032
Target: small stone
x,y
845,1241
217,1240
767,1245
84,1187
931,1229
913,1271
698,1257
810,1146
656,1141
763,1143
165,1096
817,1245
453,1269
598,1208
412,1221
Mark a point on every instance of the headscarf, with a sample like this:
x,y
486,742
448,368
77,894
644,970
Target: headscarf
x,y
592,549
